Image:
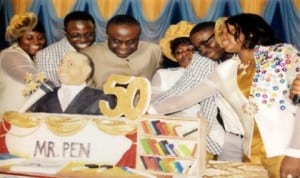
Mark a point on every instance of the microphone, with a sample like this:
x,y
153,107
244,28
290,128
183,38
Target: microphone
x,y
46,87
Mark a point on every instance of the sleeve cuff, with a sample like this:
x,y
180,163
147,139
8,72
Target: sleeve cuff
x,y
292,152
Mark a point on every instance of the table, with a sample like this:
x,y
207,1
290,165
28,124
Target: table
x,y
214,169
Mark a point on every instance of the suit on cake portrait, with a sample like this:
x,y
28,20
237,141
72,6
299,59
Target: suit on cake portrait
x,y
73,96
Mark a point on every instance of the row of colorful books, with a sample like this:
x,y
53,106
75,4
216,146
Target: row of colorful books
x,y
158,127
166,147
167,165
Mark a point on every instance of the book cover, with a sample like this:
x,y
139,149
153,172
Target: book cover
x,y
160,151
145,127
185,130
8,159
145,162
162,128
154,127
152,145
185,150
46,166
149,163
167,162
163,144
145,145
170,148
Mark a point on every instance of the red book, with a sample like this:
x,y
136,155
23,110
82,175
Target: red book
x,y
154,164
164,127
149,163
159,126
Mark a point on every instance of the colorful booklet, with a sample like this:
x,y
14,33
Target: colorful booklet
x,y
9,159
45,166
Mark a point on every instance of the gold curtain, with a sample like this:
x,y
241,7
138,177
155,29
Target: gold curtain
x,y
62,7
108,7
252,6
20,6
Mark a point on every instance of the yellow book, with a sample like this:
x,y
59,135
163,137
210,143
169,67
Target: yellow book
x,y
161,152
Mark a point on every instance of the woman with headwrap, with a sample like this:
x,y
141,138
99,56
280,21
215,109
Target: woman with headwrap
x,y
17,69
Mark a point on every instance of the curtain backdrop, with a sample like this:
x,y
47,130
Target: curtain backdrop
x,y
155,16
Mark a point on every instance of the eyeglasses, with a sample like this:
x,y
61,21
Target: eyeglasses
x,y
206,43
77,36
117,42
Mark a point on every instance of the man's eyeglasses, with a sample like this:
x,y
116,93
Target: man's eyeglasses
x,y
77,36
119,42
206,43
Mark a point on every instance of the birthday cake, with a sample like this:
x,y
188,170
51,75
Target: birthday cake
x,y
107,138
115,138
72,137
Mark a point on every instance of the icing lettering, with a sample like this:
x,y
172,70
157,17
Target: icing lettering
x,y
69,149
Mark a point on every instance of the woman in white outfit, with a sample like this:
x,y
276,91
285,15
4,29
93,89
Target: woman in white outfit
x,y
176,46
27,37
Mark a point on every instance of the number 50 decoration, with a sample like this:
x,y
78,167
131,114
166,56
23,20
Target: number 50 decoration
x,y
132,93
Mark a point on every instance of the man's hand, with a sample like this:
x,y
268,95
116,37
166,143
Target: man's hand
x,y
295,87
290,167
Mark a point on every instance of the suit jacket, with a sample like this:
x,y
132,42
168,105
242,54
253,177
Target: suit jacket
x,y
142,63
85,102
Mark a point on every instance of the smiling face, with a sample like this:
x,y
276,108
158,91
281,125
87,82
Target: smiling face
x,y
183,54
206,44
74,69
123,39
229,42
31,42
80,33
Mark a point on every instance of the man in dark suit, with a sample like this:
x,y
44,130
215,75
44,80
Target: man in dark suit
x,y
73,96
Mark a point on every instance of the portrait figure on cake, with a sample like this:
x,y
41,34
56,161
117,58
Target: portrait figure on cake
x,y
77,126
73,96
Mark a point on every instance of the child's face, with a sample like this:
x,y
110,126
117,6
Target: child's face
x,y
74,69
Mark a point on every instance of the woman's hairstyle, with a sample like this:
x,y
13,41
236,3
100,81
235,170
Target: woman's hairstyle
x,y
256,30
20,23
179,41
